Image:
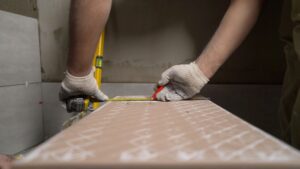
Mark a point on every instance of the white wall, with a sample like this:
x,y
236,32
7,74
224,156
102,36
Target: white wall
x,y
21,118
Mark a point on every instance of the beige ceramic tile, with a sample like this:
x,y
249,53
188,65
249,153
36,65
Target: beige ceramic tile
x,y
185,134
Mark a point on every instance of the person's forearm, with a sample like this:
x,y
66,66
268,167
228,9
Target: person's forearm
x,y
235,26
87,21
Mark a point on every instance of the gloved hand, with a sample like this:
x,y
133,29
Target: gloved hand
x,y
78,86
181,82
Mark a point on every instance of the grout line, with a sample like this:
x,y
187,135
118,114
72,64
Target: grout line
x,y
22,84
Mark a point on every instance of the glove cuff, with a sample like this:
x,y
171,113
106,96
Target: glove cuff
x,y
73,83
200,77
71,77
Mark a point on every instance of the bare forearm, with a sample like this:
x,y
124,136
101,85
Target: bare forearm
x,y
87,21
235,26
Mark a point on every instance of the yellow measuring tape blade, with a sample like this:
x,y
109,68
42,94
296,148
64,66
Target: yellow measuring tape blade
x,y
131,99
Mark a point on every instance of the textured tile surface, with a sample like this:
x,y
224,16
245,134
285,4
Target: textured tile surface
x,y
189,133
19,50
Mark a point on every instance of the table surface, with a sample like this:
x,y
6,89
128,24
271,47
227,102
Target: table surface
x,y
150,133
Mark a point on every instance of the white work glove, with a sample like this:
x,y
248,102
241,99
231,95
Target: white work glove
x,y
73,86
181,82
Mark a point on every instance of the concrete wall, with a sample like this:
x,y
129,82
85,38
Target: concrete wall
x,y
53,21
22,7
146,37
21,118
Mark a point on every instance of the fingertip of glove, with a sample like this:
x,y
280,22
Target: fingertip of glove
x,y
161,96
162,82
100,96
173,97
159,82
105,97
